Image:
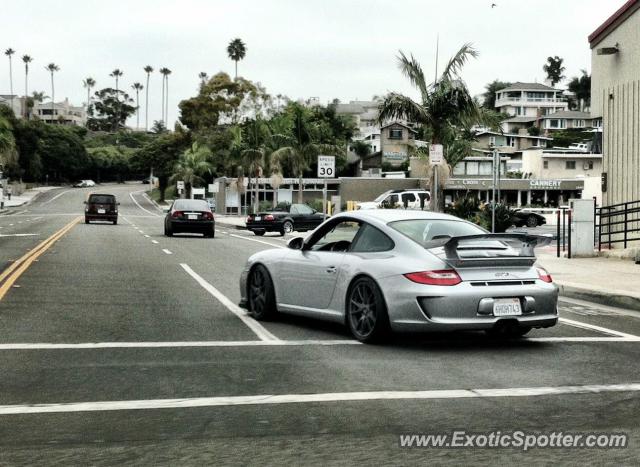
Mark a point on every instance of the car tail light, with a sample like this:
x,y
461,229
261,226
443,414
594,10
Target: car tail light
x,y
207,216
177,214
544,275
249,218
268,217
440,277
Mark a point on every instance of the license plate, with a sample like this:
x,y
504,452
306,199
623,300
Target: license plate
x,y
506,307
258,218
192,217
101,211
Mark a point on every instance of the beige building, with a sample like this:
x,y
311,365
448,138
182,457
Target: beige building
x,y
395,140
615,98
62,113
561,164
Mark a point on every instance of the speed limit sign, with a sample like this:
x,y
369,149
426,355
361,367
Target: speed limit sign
x,y
326,166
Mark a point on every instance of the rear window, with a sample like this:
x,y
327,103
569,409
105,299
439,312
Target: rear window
x,y
424,231
102,199
191,205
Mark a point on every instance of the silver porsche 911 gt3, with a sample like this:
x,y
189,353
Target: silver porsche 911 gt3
x,y
400,270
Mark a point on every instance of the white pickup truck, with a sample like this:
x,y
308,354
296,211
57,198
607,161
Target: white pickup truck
x,y
399,199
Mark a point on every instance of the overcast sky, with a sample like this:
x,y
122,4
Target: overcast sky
x,y
343,49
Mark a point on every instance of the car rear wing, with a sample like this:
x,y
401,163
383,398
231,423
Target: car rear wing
x,y
487,250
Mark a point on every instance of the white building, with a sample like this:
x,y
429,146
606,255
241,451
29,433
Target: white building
x,y
566,119
62,113
14,102
530,100
364,114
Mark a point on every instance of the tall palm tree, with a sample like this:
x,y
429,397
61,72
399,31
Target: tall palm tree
x,y
26,59
148,70
236,50
88,83
117,73
9,53
52,68
445,106
191,165
203,78
165,72
301,150
254,152
137,87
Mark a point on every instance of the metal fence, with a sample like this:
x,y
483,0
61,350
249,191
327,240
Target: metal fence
x,y
618,223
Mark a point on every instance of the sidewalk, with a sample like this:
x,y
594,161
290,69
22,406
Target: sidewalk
x,y
609,281
25,197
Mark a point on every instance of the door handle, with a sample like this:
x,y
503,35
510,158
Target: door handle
x,y
331,269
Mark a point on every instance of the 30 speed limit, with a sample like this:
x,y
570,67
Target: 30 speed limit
x,y
326,166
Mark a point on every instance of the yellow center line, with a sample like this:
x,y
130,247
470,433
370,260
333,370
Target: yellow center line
x,y
13,272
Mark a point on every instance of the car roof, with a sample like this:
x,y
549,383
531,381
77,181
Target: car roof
x,y
391,215
101,194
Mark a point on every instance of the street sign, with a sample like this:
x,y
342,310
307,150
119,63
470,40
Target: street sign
x,y
326,166
436,154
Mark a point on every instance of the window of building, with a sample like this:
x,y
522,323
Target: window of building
x,y
589,165
511,141
579,123
570,165
492,140
545,164
459,169
485,167
395,134
472,168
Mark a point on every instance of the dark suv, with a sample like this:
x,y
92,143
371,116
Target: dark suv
x,y
101,208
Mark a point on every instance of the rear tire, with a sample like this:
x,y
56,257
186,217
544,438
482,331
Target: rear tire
x,y
366,310
211,234
168,232
508,331
259,233
261,298
115,222
532,221
86,221
287,228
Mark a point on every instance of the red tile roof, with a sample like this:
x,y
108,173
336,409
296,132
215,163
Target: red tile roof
x,y
629,7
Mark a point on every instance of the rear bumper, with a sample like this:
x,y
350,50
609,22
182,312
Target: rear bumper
x,y
192,226
101,217
416,307
264,226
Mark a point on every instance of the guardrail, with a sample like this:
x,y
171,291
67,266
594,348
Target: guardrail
x,y
618,223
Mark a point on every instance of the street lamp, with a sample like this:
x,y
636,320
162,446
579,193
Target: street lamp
x,y
495,184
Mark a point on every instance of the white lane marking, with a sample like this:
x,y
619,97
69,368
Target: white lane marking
x,y
156,205
591,327
147,236
582,339
37,218
256,240
22,212
154,241
57,196
256,327
186,344
270,399
138,204
167,251
20,235
10,225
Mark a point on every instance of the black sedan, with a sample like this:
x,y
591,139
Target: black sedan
x,y
189,216
285,219
528,218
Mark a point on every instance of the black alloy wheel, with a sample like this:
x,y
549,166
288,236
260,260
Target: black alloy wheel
x,y
366,311
287,228
261,296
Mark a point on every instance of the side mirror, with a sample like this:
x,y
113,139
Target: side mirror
x,y
296,243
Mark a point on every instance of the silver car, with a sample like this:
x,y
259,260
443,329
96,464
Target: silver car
x,y
394,270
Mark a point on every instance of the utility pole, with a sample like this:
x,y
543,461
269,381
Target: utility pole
x,y
495,174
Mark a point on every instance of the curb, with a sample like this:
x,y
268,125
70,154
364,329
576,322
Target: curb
x,y
228,224
619,300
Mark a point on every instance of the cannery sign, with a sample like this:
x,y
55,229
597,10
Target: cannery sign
x,y
545,183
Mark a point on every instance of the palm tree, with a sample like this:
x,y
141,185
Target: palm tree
x,y
26,59
165,72
88,83
148,70
191,165
203,78
9,52
137,87
445,106
117,73
554,69
236,51
254,152
301,150
52,68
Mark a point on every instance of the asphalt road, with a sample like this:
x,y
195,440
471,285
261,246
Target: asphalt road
x,y
122,346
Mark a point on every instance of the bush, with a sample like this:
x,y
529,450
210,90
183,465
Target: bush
x,y
504,217
316,204
465,208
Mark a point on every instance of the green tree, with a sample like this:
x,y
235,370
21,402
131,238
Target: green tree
x,y
26,59
89,83
9,53
52,68
254,152
113,107
581,87
554,69
236,51
8,154
489,96
148,70
192,165
137,87
446,109
361,148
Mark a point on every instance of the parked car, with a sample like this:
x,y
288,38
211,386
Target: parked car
x,y
84,184
407,199
381,270
189,216
101,207
528,218
285,219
